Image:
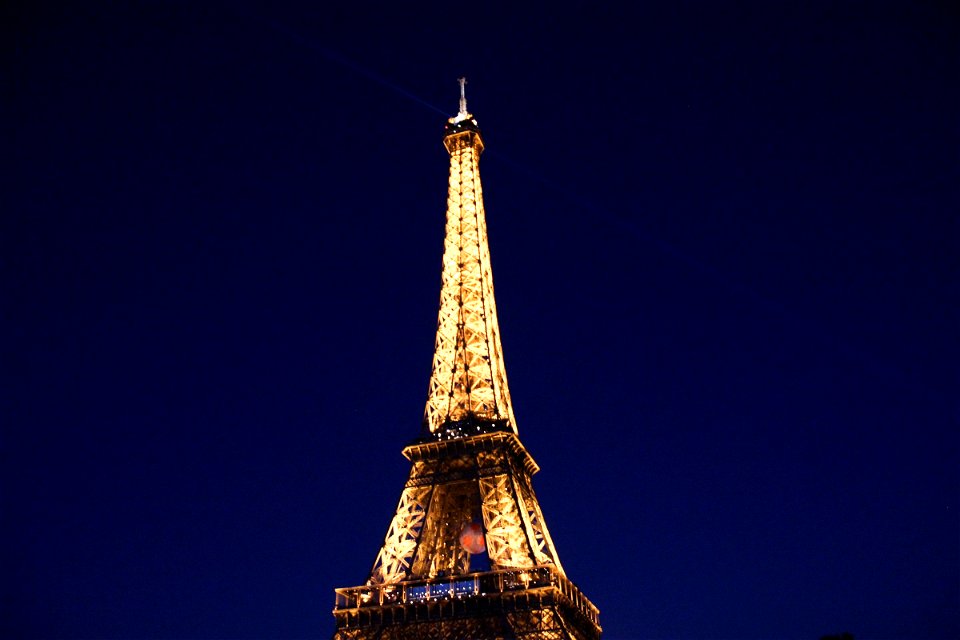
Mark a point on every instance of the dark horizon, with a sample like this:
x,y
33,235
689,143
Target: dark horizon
x,y
724,246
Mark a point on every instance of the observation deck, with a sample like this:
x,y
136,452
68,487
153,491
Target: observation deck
x,y
469,595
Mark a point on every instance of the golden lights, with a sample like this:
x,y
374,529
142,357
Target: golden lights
x,y
468,378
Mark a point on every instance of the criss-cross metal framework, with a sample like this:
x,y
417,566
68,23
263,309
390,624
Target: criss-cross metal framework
x,y
456,481
468,466
468,378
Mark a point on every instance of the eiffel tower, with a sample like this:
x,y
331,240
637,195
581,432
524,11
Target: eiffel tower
x,y
468,554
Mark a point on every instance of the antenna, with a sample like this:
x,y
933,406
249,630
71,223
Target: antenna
x,y
463,97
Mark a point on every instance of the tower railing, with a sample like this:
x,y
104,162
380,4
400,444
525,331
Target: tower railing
x,y
466,586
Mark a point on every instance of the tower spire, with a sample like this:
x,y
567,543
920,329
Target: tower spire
x,y
468,386
463,97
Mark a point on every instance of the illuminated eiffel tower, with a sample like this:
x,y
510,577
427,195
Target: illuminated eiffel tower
x,y
468,554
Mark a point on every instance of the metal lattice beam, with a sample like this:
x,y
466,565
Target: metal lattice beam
x,y
393,561
507,541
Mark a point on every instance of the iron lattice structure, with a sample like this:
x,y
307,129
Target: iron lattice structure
x,y
468,378
468,466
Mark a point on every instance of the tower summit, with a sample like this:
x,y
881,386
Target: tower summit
x,y
467,554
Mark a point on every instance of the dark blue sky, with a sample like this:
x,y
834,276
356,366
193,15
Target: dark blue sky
x,y
724,242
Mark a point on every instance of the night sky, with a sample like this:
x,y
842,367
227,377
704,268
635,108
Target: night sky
x,y
725,248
